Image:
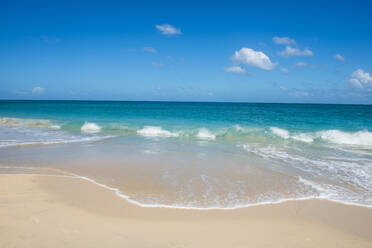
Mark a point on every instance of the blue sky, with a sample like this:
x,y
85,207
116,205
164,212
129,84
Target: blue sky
x,y
246,51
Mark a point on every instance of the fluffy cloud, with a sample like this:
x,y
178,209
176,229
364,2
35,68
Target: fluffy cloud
x,y
290,51
37,90
339,57
284,70
283,40
300,64
360,78
150,49
251,57
168,29
235,69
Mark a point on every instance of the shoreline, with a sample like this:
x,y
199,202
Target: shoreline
x,y
122,195
39,206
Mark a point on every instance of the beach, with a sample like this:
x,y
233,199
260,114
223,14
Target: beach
x,y
55,211
197,155
161,174
178,124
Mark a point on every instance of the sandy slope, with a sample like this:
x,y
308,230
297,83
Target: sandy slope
x,y
40,211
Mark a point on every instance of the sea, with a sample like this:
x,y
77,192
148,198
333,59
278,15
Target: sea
x,y
195,155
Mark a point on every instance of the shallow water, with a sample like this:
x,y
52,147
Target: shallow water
x,y
201,155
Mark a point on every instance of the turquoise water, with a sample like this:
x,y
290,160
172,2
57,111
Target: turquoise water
x,y
200,155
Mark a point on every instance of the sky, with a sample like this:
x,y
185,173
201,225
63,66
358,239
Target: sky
x,y
231,51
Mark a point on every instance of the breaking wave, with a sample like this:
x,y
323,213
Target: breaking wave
x,y
152,131
235,133
205,134
280,132
359,138
27,132
90,127
363,138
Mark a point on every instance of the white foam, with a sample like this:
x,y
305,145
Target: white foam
x,y
150,152
153,131
55,127
280,132
90,127
205,134
303,137
24,136
51,141
363,138
239,128
313,185
269,152
120,194
175,206
356,175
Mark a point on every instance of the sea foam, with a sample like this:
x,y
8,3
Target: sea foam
x,y
304,137
51,141
205,134
363,138
55,127
90,127
27,136
153,131
280,132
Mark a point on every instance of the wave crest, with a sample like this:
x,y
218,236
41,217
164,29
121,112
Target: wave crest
x,y
154,131
363,138
90,127
280,132
205,134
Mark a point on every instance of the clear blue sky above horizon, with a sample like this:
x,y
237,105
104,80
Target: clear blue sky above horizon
x,y
246,51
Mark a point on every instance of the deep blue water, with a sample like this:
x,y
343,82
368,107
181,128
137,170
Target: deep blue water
x,y
289,116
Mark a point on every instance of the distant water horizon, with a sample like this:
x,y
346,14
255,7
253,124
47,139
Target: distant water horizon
x,y
197,154
175,101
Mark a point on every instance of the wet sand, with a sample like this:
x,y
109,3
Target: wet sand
x,y
48,211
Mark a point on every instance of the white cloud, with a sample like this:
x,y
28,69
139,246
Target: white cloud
x,y
251,57
300,64
168,29
360,78
236,69
37,90
283,88
290,51
284,70
150,49
339,57
283,40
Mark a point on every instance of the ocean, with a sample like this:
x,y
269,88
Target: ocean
x,y
195,155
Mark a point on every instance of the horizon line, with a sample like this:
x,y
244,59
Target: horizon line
x,y
170,101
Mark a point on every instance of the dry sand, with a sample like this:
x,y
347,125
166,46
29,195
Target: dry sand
x,y
46,211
